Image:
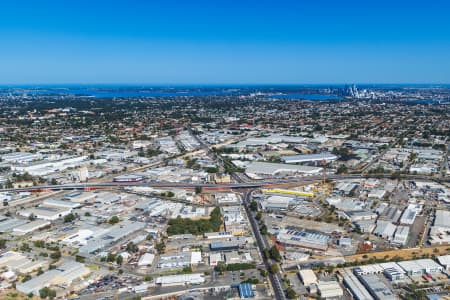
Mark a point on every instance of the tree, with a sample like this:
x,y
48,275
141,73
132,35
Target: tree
x,y
290,293
253,205
220,267
39,244
119,260
55,255
69,218
47,293
160,247
342,169
275,254
198,189
114,220
274,268
111,257
132,247
3,243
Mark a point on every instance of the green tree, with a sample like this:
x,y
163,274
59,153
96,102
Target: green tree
x,y
119,260
274,268
47,293
69,218
132,247
114,220
253,205
290,293
275,254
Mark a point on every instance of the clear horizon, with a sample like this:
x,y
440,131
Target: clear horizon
x,y
224,42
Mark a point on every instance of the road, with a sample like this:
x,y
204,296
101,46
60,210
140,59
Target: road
x,y
275,279
242,185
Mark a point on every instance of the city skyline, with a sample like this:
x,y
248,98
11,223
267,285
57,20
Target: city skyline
x,y
197,43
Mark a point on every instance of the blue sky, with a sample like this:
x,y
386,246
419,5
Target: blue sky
x,y
224,42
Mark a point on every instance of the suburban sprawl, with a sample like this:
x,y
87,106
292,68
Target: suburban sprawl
x,y
314,192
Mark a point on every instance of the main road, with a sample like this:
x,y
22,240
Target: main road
x,y
238,185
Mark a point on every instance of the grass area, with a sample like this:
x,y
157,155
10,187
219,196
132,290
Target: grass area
x,y
93,267
10,294
401,254
196,227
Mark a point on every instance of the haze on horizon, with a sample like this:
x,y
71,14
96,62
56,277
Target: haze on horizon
x,y
224,42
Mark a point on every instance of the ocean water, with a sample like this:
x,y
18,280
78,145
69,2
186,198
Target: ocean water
x,y
311,97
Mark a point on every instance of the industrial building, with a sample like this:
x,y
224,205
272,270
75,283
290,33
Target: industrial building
x,y
217,235
30,227
330,289
48,213
179,260
255,169
182,279
307,277
410,213
146,260
19,263
215,258
359,292
128,178
385,229
420,266
107,236
376,287
303,239
444,260
246,291
401,235
65,274
276,203
224,246
308,158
